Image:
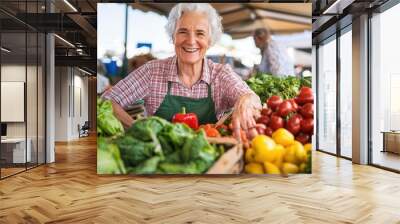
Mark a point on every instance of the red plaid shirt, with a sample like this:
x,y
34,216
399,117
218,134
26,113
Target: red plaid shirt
x,y
150,83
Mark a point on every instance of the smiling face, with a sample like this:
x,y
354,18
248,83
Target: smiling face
x,y
191,37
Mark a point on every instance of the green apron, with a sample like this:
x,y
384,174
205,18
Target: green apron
x,y
203,108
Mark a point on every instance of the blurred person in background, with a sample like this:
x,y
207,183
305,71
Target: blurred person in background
x,y
103,83
139,60
275,59
188,79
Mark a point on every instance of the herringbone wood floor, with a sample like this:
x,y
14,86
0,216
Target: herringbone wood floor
x,y
70,191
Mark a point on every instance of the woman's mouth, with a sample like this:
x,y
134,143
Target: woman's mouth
x,y
190,50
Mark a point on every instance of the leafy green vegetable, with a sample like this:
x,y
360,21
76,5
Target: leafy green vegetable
x,y
198,147
174,157
179,168
108,158
147,167
166,145
153,145
177,134
107,123
146,129
265,85
134,151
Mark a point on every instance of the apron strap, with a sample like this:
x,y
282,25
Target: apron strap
x,y
209,91
169,88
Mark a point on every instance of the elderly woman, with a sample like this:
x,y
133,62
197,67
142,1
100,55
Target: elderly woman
x,y
188,79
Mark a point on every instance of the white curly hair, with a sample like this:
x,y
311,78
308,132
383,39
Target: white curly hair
x,y
213,18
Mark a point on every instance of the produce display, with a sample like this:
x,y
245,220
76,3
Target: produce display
x,y
285,127
265,85
108,155
153,146
281,154
295,115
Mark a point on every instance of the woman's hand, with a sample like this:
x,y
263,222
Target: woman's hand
x,y
245,112
122,115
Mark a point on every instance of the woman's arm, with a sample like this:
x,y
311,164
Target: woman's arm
x,y
122,115
127,91
246,104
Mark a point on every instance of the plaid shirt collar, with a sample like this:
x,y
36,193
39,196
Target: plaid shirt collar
x,y
173,75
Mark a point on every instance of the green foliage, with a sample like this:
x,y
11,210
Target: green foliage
x,y
134,151
108,158
147,167
107,123
154,145
265,85
146,129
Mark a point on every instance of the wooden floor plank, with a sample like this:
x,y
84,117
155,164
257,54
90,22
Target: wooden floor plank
x,y
70,191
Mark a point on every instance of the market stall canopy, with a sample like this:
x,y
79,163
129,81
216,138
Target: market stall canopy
x,y
241,19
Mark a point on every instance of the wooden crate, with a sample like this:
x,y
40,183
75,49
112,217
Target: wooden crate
x,y
231,162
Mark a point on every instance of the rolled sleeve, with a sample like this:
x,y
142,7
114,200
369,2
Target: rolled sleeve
x,y
130,89
234,86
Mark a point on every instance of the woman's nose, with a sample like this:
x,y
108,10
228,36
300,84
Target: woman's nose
x,y
192,38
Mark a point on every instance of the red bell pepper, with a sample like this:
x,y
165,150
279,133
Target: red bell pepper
x,y
187,118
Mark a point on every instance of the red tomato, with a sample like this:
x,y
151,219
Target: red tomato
x,y
285,108
268,131
307,110
263,120
275,114
293,124
276,122
307,125
266,111
305,91
303,138
294,104
301,100
274,101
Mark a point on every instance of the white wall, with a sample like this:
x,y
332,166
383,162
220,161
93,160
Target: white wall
x,y
71,94
14,73
61,103
34,124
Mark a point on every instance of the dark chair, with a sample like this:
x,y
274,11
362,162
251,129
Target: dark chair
x,y
84,130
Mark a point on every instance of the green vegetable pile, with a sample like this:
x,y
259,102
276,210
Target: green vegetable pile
x,y
265,85
107,124
154,145
108,155
151,146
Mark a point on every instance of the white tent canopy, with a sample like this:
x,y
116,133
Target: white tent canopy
x,y
241,19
